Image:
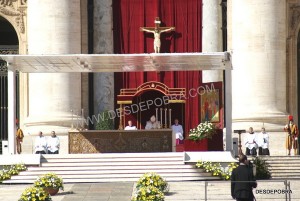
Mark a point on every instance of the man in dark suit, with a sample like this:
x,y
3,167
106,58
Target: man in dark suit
x,y
242,181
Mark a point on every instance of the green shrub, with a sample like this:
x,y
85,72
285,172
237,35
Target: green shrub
x,y
105,122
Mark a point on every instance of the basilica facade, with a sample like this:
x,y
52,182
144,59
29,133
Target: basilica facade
x,y
260,35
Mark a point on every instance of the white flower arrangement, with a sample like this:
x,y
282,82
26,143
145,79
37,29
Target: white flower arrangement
x,y
203,130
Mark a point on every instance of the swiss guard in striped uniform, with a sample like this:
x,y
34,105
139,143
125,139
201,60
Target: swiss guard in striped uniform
x,y
292,136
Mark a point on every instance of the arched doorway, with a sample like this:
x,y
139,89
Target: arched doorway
x,y
9,44
152,98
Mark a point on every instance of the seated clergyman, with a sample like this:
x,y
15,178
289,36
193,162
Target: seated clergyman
x,y
152,124
130,126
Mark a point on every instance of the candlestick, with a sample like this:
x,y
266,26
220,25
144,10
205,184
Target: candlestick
x,y
82,117
72,125
121,123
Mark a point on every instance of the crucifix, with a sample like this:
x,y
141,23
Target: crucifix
x,y
157,30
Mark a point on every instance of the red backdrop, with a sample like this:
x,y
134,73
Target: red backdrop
x,y
186,17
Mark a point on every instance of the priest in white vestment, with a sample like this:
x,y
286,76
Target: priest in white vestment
x,y
177,130
250,142
130,126
40,145
53,144
263,142
152,124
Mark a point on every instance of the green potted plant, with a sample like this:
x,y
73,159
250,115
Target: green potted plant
x,y
35,193
148,193
262,168
150,187
153,179
50,182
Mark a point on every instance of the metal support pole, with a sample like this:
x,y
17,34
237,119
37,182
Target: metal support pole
x,y
289,189
205,189
286,189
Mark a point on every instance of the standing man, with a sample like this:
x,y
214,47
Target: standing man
x,y
243,181
177,131
292,136
53,144
40,144
19,139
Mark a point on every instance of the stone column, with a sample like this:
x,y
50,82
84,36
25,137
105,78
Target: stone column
x,y
103,44
212,36
11,76
258,42
53,28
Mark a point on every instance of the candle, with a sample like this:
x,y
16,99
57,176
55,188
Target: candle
x,y
166,117
156,113
170,118
161,123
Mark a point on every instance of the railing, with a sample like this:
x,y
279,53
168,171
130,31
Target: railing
x,y
279,190
9,49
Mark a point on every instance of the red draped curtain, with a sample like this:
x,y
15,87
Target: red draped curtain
x,y
186,17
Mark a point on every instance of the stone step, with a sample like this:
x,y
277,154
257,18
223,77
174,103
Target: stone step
x,y
110,171
283,167
284,170
113,167
140,167
117,175
285,177
116,155
129,163
274,174
287,165
284,162
100,160
108,180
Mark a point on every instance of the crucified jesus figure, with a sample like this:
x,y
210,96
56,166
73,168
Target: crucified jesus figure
x,y
157,30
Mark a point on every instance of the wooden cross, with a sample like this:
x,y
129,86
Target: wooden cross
x,y
157,30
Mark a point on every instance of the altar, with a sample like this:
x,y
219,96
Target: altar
x,y
120,141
